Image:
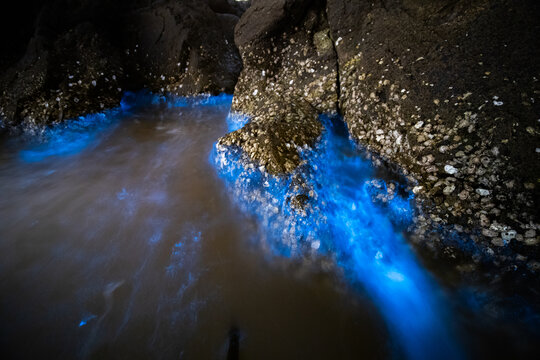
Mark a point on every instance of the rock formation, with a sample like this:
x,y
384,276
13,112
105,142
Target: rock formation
x,y
82,55
448,90
290,77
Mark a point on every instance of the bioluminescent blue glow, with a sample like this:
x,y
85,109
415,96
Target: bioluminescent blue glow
x,y
236,121
133,100
74,136
70,137
86,319
355,216
345,211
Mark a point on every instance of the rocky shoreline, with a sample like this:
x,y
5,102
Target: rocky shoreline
x,y
83,55
446,91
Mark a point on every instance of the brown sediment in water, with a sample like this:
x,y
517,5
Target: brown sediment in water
x,y
133,247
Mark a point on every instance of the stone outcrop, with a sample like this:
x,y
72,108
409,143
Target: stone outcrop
x,y
448,90
289,77
81,56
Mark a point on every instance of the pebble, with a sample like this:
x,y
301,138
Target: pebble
x,y
489,233
530,233
508,235
463,195
482,192
449,189
450,169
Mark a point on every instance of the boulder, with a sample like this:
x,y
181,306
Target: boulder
x,y
289,77
83,55
448,90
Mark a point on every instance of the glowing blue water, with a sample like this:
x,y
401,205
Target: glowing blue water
x,y
351,214
73,136
236,121
356,217
69,138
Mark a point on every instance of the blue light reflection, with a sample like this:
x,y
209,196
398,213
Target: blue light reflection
x,y
74,136
69,138
357,217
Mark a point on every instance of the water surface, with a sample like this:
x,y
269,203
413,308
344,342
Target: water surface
x,y
127,245
127,235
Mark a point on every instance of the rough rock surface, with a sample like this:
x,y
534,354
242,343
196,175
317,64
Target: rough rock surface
x,y
82,55
449,90
290,77
446,89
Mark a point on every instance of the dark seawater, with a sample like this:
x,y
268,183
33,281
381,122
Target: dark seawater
x,y
123,235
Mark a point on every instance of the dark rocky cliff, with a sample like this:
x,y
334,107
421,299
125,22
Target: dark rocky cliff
x,y
448,90
69,58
